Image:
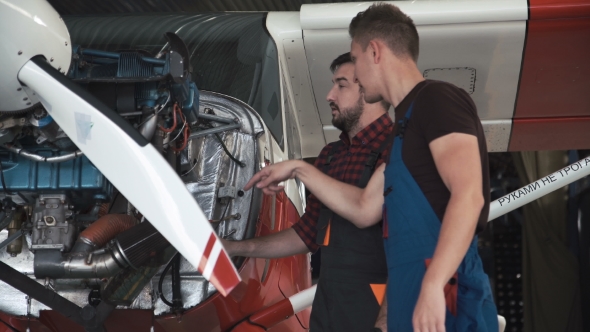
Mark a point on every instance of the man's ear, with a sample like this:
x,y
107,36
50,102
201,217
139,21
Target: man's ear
x,y
376,49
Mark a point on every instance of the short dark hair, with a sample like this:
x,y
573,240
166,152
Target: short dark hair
x,y
339,61
346,58
388,23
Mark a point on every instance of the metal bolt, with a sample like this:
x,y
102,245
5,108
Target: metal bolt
x,y
66,43
25,98
51,60
20,52
19,89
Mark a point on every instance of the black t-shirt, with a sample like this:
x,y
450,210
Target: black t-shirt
x,y
439,109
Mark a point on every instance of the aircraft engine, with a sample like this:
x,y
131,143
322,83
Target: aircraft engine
x,y
62,221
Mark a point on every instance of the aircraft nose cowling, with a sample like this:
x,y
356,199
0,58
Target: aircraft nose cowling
x,y
30,28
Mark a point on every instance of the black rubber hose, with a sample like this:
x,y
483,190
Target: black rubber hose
x,y
176,296
162,276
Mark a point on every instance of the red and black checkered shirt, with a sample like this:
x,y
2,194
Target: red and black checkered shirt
x,y
347,165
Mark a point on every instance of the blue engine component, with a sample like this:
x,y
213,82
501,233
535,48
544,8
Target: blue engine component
x,y
132,83
128,81
78,178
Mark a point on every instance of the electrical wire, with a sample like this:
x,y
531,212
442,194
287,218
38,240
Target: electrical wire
x,y
185,130
171,129
241,164
156,112
187,172
2,178
179,132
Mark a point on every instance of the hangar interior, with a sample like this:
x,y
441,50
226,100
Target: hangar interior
x,y
537,257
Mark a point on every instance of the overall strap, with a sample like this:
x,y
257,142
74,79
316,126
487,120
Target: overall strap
x,y
372,160
331,154
325,216
402,124
400,130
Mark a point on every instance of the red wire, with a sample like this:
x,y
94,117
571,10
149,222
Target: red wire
x,y
185,131
174,123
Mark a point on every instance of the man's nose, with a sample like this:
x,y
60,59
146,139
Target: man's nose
x,y
331,96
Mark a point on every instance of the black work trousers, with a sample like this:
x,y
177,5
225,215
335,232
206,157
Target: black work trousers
x,y
343,307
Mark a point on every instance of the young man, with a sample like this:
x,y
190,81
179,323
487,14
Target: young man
x,y
354,272
434,193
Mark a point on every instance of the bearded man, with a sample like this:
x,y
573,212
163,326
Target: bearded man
x,y
354,272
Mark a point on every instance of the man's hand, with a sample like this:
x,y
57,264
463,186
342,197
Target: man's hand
x,y
430,310
269,177
381,322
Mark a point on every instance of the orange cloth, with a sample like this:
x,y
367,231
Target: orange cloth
x,y
451,289
327,237
379,291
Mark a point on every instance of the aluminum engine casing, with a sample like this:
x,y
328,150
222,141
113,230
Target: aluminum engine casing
x,y
51,228
31,178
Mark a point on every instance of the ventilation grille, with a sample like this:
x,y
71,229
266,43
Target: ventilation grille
x,y
131,65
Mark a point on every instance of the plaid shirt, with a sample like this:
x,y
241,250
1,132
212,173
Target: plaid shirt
x,y
347,165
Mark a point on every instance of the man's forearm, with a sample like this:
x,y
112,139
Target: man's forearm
x,y
362,207
344,199
282,244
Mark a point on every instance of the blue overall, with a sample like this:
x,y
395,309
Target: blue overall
x,y
412,232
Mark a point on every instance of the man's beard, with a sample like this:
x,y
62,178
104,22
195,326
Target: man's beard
x,y
347,119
